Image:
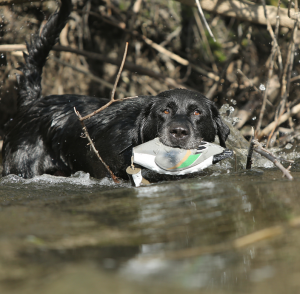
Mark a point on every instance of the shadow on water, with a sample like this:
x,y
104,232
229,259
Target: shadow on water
x,y
223,233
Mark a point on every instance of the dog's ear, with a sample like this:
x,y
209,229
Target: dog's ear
x,y
144,123
223,130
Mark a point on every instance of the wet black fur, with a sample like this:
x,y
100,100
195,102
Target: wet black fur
x,y
45,135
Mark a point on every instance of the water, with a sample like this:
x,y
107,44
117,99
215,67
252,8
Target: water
x,y
229,231
79,235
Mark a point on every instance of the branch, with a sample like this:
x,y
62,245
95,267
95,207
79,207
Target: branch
x,y
262,151
115,179
112,100
119,73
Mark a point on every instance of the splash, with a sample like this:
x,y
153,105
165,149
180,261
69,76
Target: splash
x,y
79,178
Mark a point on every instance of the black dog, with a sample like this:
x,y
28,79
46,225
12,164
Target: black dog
x,y
45,135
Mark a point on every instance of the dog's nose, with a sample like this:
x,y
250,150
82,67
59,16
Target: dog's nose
x,y
179,132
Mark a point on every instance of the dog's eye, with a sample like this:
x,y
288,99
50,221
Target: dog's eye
x,y
197,112
167,111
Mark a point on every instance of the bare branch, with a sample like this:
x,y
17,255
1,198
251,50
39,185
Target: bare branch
x,y
115,179
119,73
112,100
262,151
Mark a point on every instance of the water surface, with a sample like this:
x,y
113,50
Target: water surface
x,y
225,232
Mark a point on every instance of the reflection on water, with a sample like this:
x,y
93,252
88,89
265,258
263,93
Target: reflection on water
x,y
224,233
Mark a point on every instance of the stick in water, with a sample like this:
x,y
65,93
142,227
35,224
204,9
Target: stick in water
x,y
257,147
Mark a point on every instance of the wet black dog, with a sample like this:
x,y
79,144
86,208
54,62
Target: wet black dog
x,y
45,135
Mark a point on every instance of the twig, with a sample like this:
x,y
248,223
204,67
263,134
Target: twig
x,y
262,151
119,73
112,100
115,179
204,19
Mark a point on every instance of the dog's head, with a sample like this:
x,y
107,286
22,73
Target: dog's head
x,y
183,118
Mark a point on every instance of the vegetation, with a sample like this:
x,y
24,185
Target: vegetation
x,y
168,47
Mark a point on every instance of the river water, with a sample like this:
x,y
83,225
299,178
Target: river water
x,y
229,231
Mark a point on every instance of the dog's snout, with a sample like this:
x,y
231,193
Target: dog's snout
x,y
179,132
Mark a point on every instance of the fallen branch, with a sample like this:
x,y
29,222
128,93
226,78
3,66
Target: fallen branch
x,y
257,147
